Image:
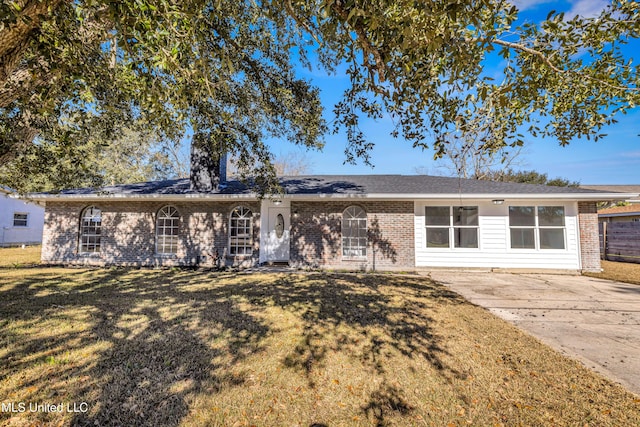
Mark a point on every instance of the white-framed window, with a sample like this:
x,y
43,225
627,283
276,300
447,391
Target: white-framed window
x,y
354,232
167,230
451,227
537,227
90,230
20,219
241,231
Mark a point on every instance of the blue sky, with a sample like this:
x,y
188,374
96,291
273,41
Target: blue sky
x,y
612,160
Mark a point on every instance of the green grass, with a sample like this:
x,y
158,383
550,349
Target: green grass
x,y
19,257
619,271
191,348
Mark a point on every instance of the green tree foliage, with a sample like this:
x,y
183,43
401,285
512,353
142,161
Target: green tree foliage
x,y
563,78
129,156
528,177
227,70
134,156
224,69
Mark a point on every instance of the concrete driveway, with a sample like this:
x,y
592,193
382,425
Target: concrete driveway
x,y
595,321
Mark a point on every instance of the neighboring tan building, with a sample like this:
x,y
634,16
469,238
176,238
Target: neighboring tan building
x,y
628,213
613,213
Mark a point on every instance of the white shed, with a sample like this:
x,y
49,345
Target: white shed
x,y
21,221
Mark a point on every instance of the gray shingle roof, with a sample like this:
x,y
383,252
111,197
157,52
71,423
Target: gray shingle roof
x,y
6,190
614,188
343,184
633,189
412,184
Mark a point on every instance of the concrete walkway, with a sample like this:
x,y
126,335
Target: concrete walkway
x,y
595,321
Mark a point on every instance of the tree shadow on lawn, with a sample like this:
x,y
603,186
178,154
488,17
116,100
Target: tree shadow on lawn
x,y
160,333
332,300
152,358
378,319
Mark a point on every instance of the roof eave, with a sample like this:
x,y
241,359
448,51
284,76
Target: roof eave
x,y
482,196
127,197
613,215
302,197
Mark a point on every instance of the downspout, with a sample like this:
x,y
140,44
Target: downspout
x,y
578,234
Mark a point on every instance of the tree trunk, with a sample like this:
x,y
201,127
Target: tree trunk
x,y
14,42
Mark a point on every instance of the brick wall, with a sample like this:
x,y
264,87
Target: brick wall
x,y
589,239
128,234
316,238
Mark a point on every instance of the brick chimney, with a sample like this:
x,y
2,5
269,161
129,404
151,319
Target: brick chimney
x,y
208,166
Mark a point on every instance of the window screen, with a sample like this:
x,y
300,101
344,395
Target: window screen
x,y
20,219
354,232
241,231
90,230
167,227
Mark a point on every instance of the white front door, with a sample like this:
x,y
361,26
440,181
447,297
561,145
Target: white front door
x,y
276,245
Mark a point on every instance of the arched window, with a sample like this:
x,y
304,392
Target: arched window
x,y
90,230
241,231
167,224
354,232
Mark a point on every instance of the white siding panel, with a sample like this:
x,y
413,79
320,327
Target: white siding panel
x,y
494,250
492,233
9,234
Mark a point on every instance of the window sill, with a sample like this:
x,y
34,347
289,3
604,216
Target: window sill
x,y
536,250
354,259
166,256
453,249
90,254
239,256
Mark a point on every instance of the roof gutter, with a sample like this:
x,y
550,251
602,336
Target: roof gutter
x,y
458,196
614,215
316,197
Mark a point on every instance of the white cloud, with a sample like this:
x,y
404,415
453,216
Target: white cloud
x,y
587,8
529,4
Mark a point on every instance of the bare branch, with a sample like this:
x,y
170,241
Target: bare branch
x,y
302,22
530,51
366,44
547,61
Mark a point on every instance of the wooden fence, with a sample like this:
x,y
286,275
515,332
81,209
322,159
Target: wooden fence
x,y
620,241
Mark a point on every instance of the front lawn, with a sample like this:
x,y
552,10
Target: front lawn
x,y
20,257
193,348
620,271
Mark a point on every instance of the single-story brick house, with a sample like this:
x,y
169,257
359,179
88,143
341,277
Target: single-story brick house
x,y
354,222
